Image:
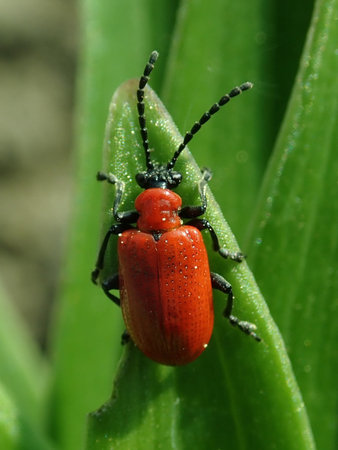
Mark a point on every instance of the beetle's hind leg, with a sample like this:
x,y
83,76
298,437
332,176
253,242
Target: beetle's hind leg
x,y
125,338
219,283
108,285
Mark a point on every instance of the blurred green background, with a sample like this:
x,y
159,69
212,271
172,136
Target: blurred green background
x,y
38,57
275,178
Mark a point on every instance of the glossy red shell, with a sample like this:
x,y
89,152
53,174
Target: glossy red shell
x,y
165,284
166,293
158,210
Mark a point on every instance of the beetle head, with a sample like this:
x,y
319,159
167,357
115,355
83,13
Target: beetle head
x,y
159,176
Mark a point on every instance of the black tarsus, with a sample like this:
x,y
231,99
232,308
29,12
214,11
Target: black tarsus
x,y
219,283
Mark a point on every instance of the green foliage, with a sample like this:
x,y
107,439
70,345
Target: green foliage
x,y
293,239
280,201
153,404
22,385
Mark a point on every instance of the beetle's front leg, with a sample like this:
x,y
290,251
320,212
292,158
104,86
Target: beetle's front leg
x,y
219,283
112,179
121,217
188,212
202,224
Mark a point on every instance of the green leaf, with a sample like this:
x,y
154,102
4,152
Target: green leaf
x,y
221,44
153,404
16,431
8,428
211,47
86,332
23,372
294,238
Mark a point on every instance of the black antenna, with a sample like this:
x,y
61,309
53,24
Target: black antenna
x,y
206,116
140,106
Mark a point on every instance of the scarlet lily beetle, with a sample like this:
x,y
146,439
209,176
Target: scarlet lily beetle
x,y
164,278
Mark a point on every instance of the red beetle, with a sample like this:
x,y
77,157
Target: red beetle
x,y
164,278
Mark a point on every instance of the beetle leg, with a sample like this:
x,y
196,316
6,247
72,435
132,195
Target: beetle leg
x,y
108,285
219,283
114,229
188,212
202,224
112,179
125,338
122,217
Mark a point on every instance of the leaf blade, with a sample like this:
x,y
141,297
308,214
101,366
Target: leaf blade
x,y
294,238
193,416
